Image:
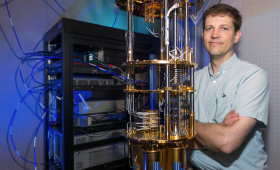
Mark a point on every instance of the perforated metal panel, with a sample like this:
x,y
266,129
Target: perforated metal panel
x,y
79,165
80,140
100,155
259,45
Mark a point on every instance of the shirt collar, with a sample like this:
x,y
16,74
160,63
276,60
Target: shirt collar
x,y
224,68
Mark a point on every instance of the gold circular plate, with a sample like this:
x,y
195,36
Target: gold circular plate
x,y
144,91
191,4
141,1
146,63
145,137
183,90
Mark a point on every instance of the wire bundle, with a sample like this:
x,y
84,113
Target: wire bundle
x,y
44,56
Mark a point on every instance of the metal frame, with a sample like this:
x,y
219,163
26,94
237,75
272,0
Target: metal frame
x,y
78,32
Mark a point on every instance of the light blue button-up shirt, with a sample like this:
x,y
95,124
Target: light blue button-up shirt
x,y
238,85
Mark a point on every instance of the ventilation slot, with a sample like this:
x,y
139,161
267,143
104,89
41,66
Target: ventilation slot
x,y
105,155
79,165
81,141
93,82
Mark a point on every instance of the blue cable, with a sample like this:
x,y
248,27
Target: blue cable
x,y
61,8
32,75
11,136
39,43
16,33
136,81
31,92
13,122
136,102
49,141
40,98
36,65
38,130
34,68
13,27
117,12
46,109
38,70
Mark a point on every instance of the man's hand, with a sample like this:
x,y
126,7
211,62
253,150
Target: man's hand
x,y
230,118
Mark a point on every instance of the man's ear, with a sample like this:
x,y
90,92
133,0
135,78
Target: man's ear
x,y
237,36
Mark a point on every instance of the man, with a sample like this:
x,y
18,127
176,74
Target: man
x,y
224,140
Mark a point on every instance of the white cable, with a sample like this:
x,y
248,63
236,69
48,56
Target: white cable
x,y
119,69
67,15
173,7
152,32
172,79
178,57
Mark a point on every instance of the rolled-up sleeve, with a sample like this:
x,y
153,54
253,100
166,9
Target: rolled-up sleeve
x,y
252,96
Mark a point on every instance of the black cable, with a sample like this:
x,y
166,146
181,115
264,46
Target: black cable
x,y
103,134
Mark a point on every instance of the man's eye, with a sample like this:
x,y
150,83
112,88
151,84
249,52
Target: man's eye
x,y
225,29
207,29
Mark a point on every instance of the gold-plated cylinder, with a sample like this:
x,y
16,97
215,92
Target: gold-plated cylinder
x,y
162,54
186,53
151,159
190,57
161,96
136,151
177,158
164,159
160,131
167,125
192,124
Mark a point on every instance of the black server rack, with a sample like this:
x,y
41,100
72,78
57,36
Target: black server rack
x,y
63,39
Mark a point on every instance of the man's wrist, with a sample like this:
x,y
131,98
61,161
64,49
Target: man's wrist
x,y
198,126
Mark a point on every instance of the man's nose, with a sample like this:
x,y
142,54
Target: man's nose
x,y
216,33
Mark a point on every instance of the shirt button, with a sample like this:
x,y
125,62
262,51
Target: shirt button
x,y
223,72
214,81
206,120
195,154
209,100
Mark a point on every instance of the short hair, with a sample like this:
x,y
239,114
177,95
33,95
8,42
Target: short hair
x,y
224,9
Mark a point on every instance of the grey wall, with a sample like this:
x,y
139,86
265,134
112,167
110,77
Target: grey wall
x,y
259,45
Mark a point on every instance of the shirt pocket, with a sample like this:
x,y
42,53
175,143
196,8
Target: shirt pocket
x,y
223,107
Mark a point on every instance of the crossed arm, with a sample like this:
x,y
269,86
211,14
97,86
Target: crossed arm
x,y
225,137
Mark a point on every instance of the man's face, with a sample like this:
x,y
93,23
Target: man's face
x,y
219,36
